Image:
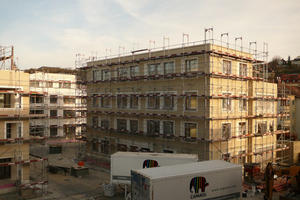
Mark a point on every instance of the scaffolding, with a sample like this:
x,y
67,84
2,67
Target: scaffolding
x,y
80,145
18,162
207,97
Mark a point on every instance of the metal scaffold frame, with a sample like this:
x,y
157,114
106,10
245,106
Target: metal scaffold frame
x,y
229,76
16,144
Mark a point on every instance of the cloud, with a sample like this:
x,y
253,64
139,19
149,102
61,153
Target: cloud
x,y
53,32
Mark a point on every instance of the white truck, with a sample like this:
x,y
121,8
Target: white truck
x,y
123,162
213,180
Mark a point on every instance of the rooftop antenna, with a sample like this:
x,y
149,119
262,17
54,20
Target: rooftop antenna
x,y
239,38
187,37
119,52
165,38
208,30
137,46
106,54
227,39
150,47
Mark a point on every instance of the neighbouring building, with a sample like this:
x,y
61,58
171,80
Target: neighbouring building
x,y
294,108
201,98
296,61
291,79
14,126
60,99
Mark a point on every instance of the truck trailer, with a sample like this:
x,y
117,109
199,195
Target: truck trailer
x,y
205,180
123,162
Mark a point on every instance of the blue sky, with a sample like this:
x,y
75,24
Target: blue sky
x,y
52,32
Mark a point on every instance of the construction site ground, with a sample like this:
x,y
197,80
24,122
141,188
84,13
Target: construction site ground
x,y
63,185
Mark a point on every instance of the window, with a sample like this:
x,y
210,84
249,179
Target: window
x,y
69,113
6,100
83,101
226,68
122,124
13,130
122,72
49,84
122,147
169,68
36,99
134,102
243,103
271,126
36,112
53,113
226,102
261,127
96,75
121,102
65,84
283,103
5,171
293,114
243,69
134,126
95,121
95,146
104,102
53,99
105,124
34,84
95,101
134,149
68,100
105,73
190,130
153,69
191,101
104,146
264,106
153,126
293,102
167,151
36,130
153,101
53,131
69,130
242,128
191,65
145,149
8,130
168,129
226,130
168,101
134,71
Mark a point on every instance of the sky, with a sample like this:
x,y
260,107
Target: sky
x,y
53,32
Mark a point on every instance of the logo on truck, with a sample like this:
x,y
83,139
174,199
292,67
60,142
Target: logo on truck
x,y
198,183
150,163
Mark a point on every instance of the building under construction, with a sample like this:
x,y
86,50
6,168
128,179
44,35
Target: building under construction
x,y
209,98
38,108
19,167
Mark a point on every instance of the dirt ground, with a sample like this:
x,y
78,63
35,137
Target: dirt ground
x,y
65,186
